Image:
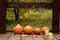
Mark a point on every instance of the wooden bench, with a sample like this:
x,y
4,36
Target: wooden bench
x,y
12,36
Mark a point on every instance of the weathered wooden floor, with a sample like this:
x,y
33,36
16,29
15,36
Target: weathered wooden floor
x,y
12,36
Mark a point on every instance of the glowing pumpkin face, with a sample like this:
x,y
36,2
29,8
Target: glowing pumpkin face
x,y
28,29
44,29
37,31
18,29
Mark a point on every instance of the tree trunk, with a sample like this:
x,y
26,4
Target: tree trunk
x,y
16,12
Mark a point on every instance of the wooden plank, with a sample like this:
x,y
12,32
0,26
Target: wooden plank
x,y
41,37
57,36
28,5
28,37
2,16
38,37
5,36
14,37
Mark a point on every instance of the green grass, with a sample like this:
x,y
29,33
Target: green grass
x,y
34,17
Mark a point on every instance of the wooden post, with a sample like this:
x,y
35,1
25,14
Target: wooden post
x,y
55,24
59,18
2,16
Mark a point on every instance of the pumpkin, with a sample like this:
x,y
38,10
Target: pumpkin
x,y
44,29
18,29
28,29
37,31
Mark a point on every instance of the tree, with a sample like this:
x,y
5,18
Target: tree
x,y
16,11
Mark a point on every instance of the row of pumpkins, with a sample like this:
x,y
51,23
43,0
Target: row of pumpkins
x,y
18,29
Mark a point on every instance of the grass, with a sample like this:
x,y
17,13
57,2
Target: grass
x,y
34,17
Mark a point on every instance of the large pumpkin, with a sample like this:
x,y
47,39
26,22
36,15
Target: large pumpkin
x,y
37,31
18,29
44,29
28,29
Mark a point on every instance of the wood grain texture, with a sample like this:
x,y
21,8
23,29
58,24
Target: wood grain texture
x,y
5,36
57,36
2,16
28,37
14,37
55,23
28,5
38,37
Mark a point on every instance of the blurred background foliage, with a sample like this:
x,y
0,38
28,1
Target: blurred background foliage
x,y
30,1
36,17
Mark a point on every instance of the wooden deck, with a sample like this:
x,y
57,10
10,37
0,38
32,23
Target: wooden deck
x,y
12,36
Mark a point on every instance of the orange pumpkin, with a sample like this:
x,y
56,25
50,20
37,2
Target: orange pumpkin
x,y
37,31
18,29
44,29
28,29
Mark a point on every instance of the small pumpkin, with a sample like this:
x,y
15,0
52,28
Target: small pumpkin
x,y
18,29
37,31
44,29
28,29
